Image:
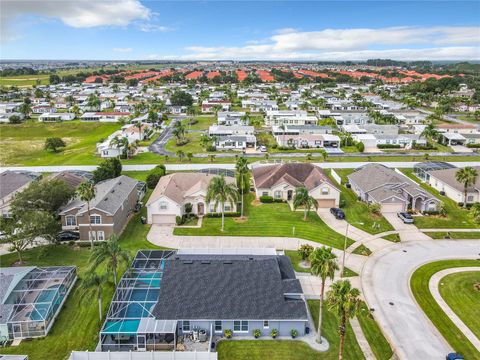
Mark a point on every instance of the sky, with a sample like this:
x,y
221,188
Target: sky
x,y
239,30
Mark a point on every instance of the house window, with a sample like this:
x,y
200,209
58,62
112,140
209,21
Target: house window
x,y
227,207
95,219
325,191
265,324
218,326
278,194
92,235
70,220
470,198
186,325
163,205
240,326
212,208
264,193
100,235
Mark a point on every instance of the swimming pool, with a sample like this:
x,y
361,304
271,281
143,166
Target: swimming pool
x,y
48,299
121,326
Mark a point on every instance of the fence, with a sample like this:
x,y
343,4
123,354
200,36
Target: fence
x,y
151,355
335,176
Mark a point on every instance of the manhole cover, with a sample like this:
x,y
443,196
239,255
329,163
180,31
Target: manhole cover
x,y
391,303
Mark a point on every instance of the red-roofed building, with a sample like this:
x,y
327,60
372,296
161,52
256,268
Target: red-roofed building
x,y
241,75
313,74
92,79
213,74
193,75
265,76
162,74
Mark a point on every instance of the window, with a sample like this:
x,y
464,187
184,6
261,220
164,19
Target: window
x,y
95,219
265,193
278,194
325,191
92,235
100,235
227,207
163,205
218,326
470,198
70,220
240,326
212,208
186,325
265,324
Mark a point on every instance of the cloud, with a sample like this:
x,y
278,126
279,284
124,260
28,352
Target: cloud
x,y
74,13
149,27
402,43
122,50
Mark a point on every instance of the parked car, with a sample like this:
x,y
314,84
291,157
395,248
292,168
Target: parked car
x,y
405,217
263,148
454,356
67,235
338,213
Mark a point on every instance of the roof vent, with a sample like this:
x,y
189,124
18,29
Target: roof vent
x,y
188,261
250,258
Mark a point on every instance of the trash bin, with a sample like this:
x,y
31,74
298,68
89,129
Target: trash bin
x,y
143,220
307,330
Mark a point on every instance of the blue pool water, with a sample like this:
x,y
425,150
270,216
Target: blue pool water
x,y
123,326
45,299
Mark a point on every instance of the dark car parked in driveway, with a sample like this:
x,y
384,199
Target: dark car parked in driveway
x,y
454,356
338,213
68,235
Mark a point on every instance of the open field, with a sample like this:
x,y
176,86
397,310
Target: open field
x,y
270,220
459,292
457,217
24,80
204,121
419,286
193,146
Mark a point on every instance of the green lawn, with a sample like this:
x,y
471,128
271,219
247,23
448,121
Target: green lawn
x,y
419,286
454,235
204,122
296,259
77,325
392,237
362,250
459,292
357,212
194,146
24,80
22,144
270,220
380,346
457,217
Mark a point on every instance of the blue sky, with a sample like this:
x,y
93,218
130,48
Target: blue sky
x,y
261,30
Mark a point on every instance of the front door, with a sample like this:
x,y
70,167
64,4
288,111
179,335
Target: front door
x,y
142,343
289,195
200,209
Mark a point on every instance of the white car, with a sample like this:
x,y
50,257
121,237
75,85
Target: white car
x,y
263,148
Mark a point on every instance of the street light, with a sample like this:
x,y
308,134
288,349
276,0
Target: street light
x,y
345,247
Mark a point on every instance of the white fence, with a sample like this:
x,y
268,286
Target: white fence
x,y
337,178
150,355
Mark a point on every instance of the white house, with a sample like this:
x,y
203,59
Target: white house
x,y
444,181
54,117
104,116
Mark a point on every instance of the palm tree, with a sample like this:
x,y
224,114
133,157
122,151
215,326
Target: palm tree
x,y
86,192
324,154
323,264
466,176
303,198
345,302
131,147
189,156
180,155
138,125
111,254
243,178
211,157
282,127
205,140
95,282
429,132
221,192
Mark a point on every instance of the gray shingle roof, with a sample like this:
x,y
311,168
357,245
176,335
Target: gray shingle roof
x,y
11,181
222,287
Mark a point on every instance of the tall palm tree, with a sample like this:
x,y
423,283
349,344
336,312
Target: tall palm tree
x,y
138,125
86,192
95,283
243,178
180,154
111,254
221,192
303,199
345,302
466,176
323,264
429,132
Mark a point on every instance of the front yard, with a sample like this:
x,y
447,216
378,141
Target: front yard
x,y
270,220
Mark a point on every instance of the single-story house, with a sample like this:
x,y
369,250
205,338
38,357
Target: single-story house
x,y
444,181
115,200
174,191
281,181
231,118
209,105
378,184
104,116
54,117
308,141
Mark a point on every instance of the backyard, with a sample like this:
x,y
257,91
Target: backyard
x,y
457,217
270,220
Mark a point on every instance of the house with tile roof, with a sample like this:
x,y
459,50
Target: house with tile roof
x,y
280,181
444,181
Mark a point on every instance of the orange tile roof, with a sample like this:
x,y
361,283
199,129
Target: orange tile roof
x,y
241,75
213,74
193,75
265,76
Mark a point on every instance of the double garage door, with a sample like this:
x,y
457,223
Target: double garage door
x,y
163,219
392,207
326,203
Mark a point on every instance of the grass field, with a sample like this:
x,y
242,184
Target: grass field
x,y
456,218
459,292
23,144
24,80
204,121
419,286
270,220
453,235
193,146
357,212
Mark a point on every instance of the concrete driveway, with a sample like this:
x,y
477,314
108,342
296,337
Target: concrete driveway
x,y
407,232
385,284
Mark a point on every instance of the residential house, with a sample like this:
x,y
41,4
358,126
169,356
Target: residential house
x,y
350,118
174,191
115,200
56,117
289,117
231,118
209,106
104,116
235,137
378,184
281,181
11,183
43,108
260,105
444,181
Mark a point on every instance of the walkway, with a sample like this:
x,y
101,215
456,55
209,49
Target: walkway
x,y
361,339
433,285
386,287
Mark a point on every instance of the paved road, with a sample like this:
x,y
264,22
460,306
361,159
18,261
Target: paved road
x,y
385,280
158,146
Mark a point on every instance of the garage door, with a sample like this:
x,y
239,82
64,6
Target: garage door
x,y
392,208
326,203
163,219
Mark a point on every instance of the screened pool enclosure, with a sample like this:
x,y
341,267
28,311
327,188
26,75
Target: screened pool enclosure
x,y
130,324
32,298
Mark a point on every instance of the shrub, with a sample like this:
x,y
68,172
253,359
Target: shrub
x,y
274,146
179,220
374,208
266,199
293,333
54,143
211,148
257,333
152,180
360,146
304,251
342,203
388,146
227,333
473,146
274,333
431,212
188,208
227,214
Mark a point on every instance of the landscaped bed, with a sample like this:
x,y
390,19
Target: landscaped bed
x,y
273,220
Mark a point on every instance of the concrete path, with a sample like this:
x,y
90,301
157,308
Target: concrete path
x,y
361,339
433,285
386,287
